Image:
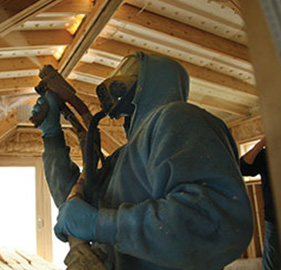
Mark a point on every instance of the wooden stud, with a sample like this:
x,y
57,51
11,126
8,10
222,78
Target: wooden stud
x,y
259,206
267,65
254,247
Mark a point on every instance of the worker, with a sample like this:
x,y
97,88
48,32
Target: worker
x,y
173,196
252,163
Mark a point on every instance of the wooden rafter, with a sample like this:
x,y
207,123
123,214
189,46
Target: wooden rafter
x,y
24,63
175,29
87,33
13,14
20,39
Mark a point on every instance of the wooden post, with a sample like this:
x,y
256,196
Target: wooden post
x,y
263,28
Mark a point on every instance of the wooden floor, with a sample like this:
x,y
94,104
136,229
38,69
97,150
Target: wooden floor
x,y
11,259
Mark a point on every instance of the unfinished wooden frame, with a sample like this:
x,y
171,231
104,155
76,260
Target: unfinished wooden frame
x,y
267,65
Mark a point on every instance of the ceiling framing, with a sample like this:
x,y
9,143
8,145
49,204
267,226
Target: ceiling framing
x,y
85,42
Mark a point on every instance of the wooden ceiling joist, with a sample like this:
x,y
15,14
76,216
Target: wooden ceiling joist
x,y
12,15
19,39
87,33
24,63
215,44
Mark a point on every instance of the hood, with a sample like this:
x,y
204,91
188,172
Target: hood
x,y
161,81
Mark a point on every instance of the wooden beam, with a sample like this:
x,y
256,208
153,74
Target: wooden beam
x,y
87,33
201,73
13,14
24,63
45,38
263,24
175,29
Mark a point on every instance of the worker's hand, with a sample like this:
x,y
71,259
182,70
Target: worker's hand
x,y
51,124
76,218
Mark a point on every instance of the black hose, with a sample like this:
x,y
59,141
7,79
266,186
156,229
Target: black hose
x,y
93,156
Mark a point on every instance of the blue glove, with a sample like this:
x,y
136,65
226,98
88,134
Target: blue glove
x,y
51,125
76,218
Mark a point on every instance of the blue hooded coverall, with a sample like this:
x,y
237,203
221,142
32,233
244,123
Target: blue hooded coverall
x,y
173,196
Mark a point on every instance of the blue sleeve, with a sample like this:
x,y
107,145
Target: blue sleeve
x,y
60,172
204,220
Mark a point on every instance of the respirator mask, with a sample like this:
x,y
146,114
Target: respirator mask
x,y
117,92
